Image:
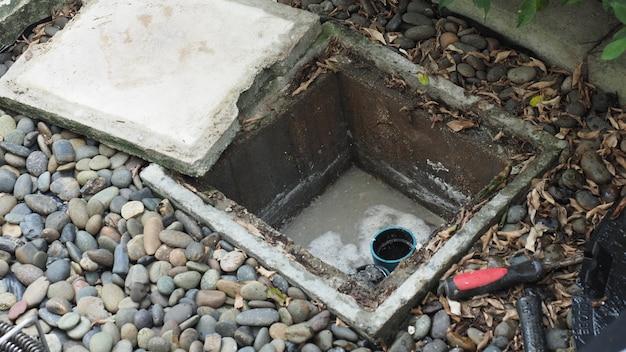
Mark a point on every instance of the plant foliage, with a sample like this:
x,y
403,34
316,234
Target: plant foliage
x,y
529,8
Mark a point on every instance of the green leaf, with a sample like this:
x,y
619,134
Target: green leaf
x,y
444,3
423,78
614,49
536,100
620,11
570,2
528,10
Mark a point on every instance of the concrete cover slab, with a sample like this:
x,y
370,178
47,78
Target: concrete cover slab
x,y
157,78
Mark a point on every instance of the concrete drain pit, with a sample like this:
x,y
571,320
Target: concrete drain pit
x,y
303,182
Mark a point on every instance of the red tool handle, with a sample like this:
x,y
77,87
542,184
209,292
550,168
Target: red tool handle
x,y
491,279
478,278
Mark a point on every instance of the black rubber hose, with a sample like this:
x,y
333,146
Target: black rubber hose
x,y
20,342
531,319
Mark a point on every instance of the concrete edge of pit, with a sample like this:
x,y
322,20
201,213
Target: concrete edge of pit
x,y
381,323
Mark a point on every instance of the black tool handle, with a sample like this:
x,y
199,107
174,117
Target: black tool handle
x,y
531,319
489,280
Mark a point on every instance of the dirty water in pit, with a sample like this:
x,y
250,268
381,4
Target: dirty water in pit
x,y
339,224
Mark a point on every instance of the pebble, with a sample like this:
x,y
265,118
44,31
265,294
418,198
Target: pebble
x,y
475,335
175,238
420,32
447,38
435,345
422,327
63,151
232,261
258,317
504,329
440,325
465,70
594,168
187,280
132,209
557,339
100,342
298,333
521,74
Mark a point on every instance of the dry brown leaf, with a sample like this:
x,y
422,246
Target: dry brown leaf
x,y
264,272
541,84
460,125
305,85
536,63
577,74
502,55
239,303
376,35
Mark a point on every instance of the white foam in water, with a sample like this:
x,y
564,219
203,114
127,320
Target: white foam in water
x,y
338,225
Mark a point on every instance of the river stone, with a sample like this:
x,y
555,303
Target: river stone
x,y
166,285
474,40
63,151
99,162
23,186
7,124
7,300
112,295
106,195
254,290
594,168
40,203
504,329
258,317
132,209
92,308
80,330
59,270
209,280
416,19
521,74
175,238
420,32
187,280
557,339
66,188
440,325
435,345
121,177
298,333
101,342
68,321
232,261
7,181
422,327
36,291
210,298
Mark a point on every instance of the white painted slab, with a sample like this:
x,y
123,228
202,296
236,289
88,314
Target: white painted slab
x,y
163,75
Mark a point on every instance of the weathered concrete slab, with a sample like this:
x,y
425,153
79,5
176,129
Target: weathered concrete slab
x,y
560,34
610,76
16,15
156,78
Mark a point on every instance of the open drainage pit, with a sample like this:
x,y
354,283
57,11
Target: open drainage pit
x,y
350,157
304,186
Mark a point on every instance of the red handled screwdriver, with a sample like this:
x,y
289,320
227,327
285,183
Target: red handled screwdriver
x,y
489,280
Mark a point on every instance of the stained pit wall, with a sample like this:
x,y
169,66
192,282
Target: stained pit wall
x,y
275,170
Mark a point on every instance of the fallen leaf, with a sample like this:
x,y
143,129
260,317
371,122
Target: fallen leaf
x,y
536,100
423,78
376,35
455,307
502,55
459,125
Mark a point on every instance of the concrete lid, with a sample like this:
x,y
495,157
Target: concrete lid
x,y
156,78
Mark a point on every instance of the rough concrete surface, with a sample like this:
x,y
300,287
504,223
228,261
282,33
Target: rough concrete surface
x,y
609,76
156,78
560,34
